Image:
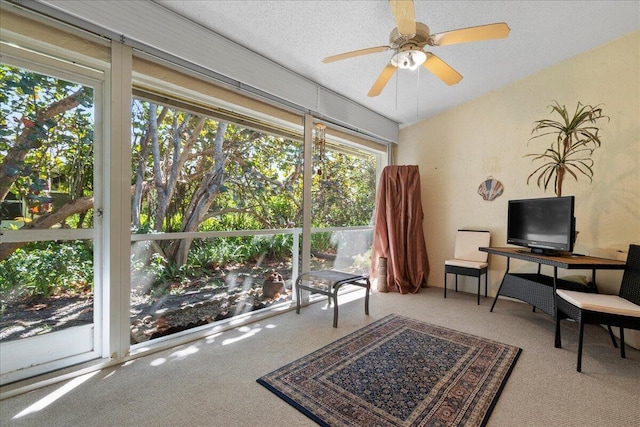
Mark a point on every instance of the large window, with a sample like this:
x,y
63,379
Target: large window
x,y
217,211
47,226
46,159
204,192
205,210
343,200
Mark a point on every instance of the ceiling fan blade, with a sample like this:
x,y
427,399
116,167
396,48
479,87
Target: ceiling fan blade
x,y
405,15
383,78
499,30
441,69
355,53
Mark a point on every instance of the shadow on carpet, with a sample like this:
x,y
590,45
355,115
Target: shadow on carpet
x,y
398,371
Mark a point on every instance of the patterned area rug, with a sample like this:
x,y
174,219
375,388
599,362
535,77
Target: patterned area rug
x,y
398,372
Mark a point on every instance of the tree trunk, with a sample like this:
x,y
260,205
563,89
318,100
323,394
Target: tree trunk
x,y
202,199
29,139
47,221
136,202
165,182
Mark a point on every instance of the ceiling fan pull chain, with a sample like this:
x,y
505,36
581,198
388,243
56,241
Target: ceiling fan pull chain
x,y
397,89
418,96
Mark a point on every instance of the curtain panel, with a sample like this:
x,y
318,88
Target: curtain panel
x,y
398,234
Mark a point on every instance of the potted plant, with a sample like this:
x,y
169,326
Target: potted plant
x,y
575,139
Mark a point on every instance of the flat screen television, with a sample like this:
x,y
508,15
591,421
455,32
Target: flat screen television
x,y
545,225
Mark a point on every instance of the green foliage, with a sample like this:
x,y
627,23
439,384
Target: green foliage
x,y
152,267
209,254
206,256
261,184
45,268
254,182
166,271
344,195
321,242
43,152
575,137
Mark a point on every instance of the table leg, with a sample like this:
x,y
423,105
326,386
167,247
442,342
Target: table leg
x,y
557,343
501,283
297,289
335,307
366,298
495,300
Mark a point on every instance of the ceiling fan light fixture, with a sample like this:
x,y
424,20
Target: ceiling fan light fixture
x,y
409,59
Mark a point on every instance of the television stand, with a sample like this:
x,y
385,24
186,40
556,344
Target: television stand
x,y
545,252
538,289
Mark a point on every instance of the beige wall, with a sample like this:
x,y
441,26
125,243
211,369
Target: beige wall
x,y
460,148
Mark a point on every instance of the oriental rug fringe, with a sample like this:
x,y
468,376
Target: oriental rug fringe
x,y
398,371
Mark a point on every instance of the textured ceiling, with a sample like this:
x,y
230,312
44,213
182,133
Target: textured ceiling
x,y
299,34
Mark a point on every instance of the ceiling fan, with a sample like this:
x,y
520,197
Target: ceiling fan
x,y
410,37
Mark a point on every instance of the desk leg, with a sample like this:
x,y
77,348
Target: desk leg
x,y
500,288
495,300
557,343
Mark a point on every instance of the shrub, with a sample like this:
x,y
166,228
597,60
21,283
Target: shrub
x,y
46,268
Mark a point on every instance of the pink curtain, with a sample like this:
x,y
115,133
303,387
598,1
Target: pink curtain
x,y
398,234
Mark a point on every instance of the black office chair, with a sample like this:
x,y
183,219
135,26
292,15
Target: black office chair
x,y
622,310
467,259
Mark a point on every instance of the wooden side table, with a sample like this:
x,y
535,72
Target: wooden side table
x,y
328,282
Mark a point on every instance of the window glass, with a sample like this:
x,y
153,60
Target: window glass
x,y
226,185
343,200
46,183
46,150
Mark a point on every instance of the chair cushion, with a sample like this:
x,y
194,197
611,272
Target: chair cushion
x,y
465,263
610,304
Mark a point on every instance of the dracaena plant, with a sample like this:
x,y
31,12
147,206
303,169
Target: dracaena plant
x,y
575,137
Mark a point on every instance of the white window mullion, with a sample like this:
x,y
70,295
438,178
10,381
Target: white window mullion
x,y
306,199
117,212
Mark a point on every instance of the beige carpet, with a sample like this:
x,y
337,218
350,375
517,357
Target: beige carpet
x,y
212,381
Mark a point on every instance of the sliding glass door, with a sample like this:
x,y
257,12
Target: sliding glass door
x,y
49,227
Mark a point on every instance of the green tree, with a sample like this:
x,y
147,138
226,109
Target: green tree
x,y
46,138
189,169
344,195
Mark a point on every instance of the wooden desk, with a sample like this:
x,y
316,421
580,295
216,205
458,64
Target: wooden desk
x,y
538,289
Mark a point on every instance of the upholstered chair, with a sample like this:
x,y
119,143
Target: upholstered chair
x,y
467,259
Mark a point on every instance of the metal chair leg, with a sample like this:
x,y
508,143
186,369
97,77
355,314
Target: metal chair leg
x,y
622,342
298,298
613,337
335,309
486,282
445,283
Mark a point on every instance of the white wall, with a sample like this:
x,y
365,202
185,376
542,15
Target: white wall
x,y
461,147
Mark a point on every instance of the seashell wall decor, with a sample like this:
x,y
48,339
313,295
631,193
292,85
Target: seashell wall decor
x,y
490,189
